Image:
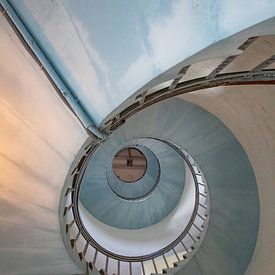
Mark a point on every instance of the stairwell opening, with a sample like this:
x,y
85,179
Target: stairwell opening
x,y
129,165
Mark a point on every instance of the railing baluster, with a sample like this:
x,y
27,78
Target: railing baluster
x,y
166,263
201,216
95,256
203,206
118,267
196,227
74,170
155,266
106,265
184,246
176,254
66,209
130,267
85,249
191,237
68,226
142,268
69,189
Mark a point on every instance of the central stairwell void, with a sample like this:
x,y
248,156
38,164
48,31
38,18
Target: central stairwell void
x,y
171,190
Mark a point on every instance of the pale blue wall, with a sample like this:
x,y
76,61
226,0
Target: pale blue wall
x,y
106,50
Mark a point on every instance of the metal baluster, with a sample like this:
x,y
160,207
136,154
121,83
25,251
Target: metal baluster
x,y
155,267
184,246
201,216
68,226
166,263
95,256
203,206
69,189
176,254
74,170
184,256
85,249
106,264
196,227
143,270
77,236
118,267
66,209
191,237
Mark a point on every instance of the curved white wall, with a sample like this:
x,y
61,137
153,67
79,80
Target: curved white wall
x,y
38,140
249,113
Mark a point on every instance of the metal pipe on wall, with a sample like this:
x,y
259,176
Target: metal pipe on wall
x,y
67,96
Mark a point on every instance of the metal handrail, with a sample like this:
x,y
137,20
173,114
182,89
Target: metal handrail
x,y
262,77
74,190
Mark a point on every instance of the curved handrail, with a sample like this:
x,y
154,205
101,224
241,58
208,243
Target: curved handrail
x,y
74,189
262,77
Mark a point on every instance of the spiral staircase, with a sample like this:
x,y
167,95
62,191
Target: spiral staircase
x,y
205,127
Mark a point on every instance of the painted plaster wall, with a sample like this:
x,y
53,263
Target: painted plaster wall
x,y
249,113
38,140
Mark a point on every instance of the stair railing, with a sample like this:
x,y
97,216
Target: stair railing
x,y
95,258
